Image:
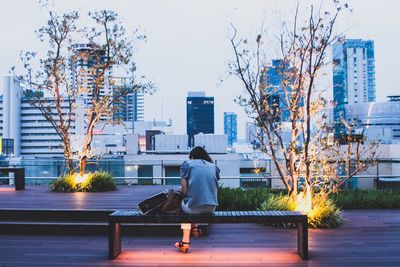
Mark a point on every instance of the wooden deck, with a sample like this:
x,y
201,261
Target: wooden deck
x,y
368,238
38,197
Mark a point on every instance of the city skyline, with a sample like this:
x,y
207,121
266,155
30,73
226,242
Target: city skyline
x,y
189,51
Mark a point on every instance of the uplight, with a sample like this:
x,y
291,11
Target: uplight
x,y
304,202
79,179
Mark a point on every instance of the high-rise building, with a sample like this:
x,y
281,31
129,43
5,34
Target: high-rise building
x,y
129,107
199,115
85,63
31,132
353,76
271,81
230,127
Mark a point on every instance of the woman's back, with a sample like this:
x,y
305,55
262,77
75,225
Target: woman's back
x,y
202,179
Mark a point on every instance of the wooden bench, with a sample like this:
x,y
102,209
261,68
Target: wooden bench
x,y
300,219
19,176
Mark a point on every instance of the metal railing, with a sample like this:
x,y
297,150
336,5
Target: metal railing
x,y
372,181
385,172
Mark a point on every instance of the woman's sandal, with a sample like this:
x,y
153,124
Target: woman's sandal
x,y
196,232
183,246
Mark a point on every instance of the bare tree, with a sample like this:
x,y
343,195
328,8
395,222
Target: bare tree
x,y
110,48
50,78
309,158
106,47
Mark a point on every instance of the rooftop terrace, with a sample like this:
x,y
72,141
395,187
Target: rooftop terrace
x,y
368,238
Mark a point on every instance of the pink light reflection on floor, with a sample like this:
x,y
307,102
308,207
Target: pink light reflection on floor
x,y
7,189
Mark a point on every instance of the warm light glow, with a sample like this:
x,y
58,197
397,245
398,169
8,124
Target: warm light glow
x,y
219,256
80,199
304,201
79,179
7,189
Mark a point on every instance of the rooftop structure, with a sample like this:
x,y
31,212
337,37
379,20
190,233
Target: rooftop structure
x,y
394,98
378,120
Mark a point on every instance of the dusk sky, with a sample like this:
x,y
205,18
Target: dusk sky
x,y
188,45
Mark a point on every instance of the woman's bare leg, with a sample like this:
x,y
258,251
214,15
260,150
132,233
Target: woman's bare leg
x,y
186,227
186,235
184,244
195,230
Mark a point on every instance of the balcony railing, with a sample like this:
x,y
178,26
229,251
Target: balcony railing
x,y
385,174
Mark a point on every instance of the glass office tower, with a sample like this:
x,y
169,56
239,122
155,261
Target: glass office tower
x,y
230,127
199,115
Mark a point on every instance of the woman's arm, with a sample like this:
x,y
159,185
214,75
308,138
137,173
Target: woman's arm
x,y
184,172
184,184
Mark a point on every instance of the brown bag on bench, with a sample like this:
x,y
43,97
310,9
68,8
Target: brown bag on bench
x,y
167,202
173,203
151,204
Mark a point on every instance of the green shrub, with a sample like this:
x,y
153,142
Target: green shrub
x,y
100,182
251,199
95,182
65,183
278,202
367,199
324,214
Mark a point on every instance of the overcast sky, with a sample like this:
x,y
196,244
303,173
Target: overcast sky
x,y
188,44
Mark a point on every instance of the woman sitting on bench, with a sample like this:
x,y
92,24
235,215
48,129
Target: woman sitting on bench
x,y
199,180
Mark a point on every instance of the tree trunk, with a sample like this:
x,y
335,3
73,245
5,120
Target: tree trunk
x,y
294,192
71,166
68,156
82,165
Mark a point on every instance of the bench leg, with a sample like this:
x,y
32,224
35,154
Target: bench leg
x,y
302,240
114,240
19,179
